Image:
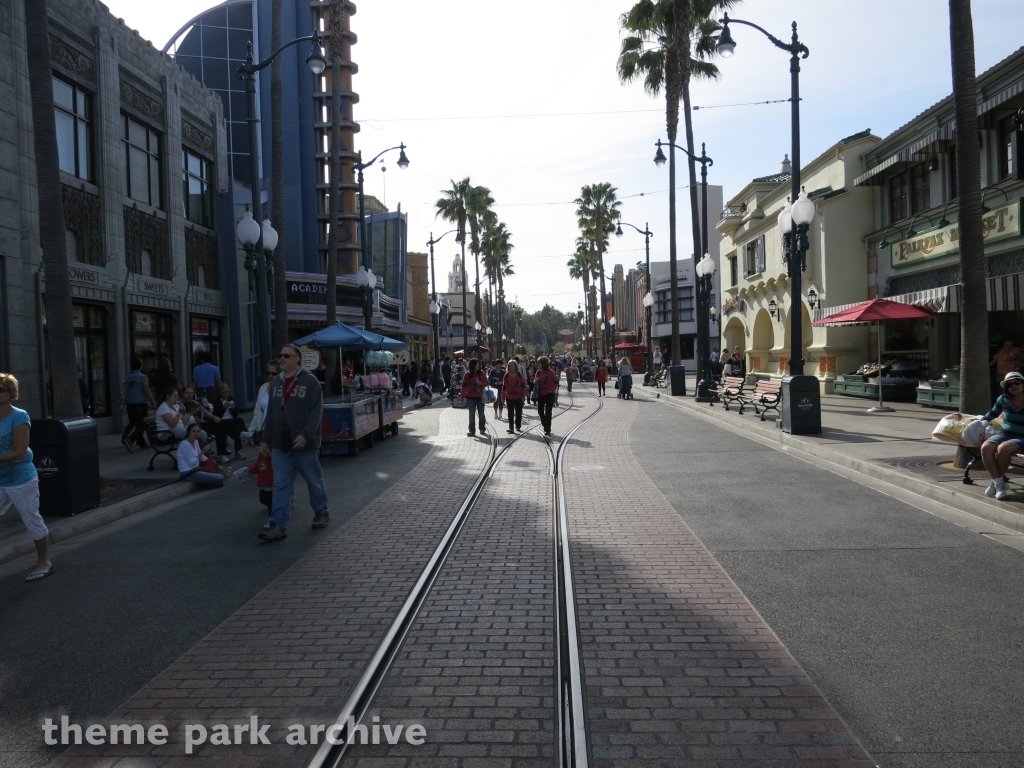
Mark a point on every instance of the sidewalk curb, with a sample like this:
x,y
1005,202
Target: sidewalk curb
x,y
97,518
990,511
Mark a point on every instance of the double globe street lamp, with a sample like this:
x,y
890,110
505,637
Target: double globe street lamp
x,y
801,399
261,271
359,166
250,236
646,232
705,285
435,306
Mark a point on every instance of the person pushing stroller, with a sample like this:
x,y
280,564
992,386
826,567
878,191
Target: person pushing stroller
x,y
625,381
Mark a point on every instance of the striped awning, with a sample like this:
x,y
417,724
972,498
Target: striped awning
x,y
1005,294
934,142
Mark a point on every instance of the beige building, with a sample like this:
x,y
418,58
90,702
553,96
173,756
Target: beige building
x,y
756,307
417,296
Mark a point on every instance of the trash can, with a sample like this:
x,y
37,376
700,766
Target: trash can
x,y
801,405
677,378
67,458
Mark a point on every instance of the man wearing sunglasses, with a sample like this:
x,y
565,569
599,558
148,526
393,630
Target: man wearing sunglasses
x,y
291,431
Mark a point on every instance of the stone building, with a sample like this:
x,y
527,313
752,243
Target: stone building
x,y
142,158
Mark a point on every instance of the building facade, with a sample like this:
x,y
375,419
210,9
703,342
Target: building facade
x,y
756,307
911,243
143,161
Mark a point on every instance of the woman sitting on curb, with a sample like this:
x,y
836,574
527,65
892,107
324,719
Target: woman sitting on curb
x,y
191,456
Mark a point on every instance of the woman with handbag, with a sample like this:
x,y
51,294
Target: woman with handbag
x,y
259,413
193,463
473,385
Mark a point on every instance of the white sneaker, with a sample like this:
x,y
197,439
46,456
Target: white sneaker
x,y
1001,492
991,490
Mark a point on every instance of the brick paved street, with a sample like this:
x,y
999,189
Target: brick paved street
x,y
680,667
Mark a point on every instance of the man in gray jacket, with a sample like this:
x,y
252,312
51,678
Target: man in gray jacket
x,y
291,430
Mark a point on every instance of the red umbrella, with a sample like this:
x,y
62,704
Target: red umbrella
x,y
876,311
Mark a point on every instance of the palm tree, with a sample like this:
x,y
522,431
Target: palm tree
x,y
478,205
581,267
974,395
668,44
496,245
280,289
597,209
59,323
452,207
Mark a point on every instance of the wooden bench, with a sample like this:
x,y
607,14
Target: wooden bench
x,y
767,394
162,443
730,390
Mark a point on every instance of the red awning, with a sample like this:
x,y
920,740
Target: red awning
x,y
875,311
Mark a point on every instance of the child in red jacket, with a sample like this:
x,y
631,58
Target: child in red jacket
x,y
264,472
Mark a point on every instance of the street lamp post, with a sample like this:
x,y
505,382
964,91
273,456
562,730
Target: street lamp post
x,y
248,233
646,232
796,241
705,285
247,72
703,326
434,307
359,166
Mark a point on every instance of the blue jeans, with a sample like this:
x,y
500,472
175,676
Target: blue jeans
x,y
306,463
475,406
205,478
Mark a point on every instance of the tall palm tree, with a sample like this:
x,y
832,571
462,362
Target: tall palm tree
x,y
59,323
280,289
478,205
452,207
597,208
668,44
496,245
581,267
974,395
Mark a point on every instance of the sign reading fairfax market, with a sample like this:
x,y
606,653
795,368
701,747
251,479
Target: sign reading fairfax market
x,y
998,224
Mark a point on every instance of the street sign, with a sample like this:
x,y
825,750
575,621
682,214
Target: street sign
x,y
566,332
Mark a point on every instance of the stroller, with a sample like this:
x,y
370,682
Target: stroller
x,y
625,386
455,393
423,393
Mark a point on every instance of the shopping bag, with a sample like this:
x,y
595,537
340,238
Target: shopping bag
x,y
490,395
616,383
960,429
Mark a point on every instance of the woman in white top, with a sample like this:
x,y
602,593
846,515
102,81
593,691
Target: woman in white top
x,y
625,378
190,454
263,400
170,416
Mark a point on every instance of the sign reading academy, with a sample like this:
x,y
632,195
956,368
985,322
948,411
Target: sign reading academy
x,y
998,224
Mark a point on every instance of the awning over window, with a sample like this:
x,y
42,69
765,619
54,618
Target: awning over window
x,y
934,143
1004,293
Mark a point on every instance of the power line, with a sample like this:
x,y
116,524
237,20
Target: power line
x,y
556,114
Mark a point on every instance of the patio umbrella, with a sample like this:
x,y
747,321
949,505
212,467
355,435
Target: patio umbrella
x,y
876,311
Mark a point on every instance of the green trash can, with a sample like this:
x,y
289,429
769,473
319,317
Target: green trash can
x,y
67,458
677,379
801,405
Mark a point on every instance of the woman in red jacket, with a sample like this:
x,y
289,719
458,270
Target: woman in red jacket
x,y
473,385
514,388
546,382
601,376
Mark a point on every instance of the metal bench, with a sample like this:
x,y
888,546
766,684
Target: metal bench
x,y
767,394
162,443
660,379
730,390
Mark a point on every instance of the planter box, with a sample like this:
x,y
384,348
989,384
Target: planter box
x,y
895,392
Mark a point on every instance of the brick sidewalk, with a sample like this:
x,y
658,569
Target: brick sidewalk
x,y
477,669
680,668
292,653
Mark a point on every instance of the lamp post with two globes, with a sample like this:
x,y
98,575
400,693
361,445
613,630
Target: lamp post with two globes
x,y
250,235
705,285
435,307
648,298
794,222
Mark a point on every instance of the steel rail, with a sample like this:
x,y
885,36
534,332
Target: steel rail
x,y
572,744
331,753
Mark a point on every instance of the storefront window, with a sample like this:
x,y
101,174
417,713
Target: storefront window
x,y
90,323
206,336
152,337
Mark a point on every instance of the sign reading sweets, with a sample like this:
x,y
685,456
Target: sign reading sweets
x,y
997,224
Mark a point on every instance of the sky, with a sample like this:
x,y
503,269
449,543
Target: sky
x,y
524,99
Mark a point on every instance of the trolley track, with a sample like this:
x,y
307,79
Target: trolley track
x,y
571,744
